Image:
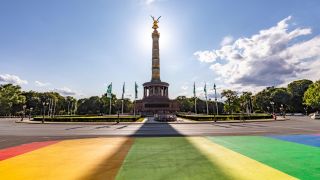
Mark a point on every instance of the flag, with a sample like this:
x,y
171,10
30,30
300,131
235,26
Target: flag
x,y
136,90
194,89
123,90
109,90
205,89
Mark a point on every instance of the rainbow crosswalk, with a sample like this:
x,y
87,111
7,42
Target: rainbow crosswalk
x,y
228,157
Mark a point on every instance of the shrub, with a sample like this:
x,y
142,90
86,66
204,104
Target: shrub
x,y
88,118
225,117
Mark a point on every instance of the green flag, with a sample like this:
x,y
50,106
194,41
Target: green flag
x,y
123,90
109,90
136,89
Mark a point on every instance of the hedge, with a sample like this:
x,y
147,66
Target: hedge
x,y
88,118
224,117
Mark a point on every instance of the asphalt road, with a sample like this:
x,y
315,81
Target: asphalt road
x,y
12,133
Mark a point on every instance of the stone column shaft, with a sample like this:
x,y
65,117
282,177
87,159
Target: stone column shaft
x,y
155,56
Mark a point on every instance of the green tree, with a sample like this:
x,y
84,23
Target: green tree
x,y
245,101
297,90
312,95
185,104
262,99
280,96
89,105
11,99
232,104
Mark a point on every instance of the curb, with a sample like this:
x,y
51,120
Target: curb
x,y
130,123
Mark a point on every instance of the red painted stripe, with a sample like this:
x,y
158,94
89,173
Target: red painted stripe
x,y
21,149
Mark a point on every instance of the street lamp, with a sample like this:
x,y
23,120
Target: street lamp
x,y
30,112
24,111
241,108
44,110
272,103
283,111
306,110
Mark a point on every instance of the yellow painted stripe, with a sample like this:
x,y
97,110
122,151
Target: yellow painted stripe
x,y
95,158
234,164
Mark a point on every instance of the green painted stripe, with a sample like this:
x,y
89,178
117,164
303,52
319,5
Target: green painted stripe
x,y
294,159
168,158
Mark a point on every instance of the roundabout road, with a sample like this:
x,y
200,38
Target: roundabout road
x,y
12,133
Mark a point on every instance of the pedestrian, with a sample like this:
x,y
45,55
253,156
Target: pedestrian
x,y
118,120
274,116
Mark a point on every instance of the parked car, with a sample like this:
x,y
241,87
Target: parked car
x,y
166,117
315,116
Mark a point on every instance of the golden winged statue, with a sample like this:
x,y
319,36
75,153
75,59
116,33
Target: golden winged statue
x,y
155,22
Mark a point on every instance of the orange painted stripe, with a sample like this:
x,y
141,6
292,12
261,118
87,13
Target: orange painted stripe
x,y
93,158
21,149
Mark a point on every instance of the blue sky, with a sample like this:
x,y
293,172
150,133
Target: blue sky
x,y
77,47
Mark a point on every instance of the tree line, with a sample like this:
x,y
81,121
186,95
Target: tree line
x,y
299,96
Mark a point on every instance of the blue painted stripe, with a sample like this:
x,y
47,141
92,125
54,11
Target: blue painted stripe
x,y
311,140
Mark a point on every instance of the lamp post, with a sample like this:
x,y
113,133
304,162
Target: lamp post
x,y
212,107
241,108
283,111
44,110
306,110
272,103
24,112
68,107
30,112
215,98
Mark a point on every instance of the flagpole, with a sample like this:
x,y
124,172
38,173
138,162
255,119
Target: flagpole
x,y
215,98
207,105
195,105
135,98
110,105
122,107
134,107
122,98
205,91
195,97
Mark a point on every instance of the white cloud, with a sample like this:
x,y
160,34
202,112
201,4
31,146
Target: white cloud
x,y
226,40
271,57
206,56
148,2
65,91
8,78
41,84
